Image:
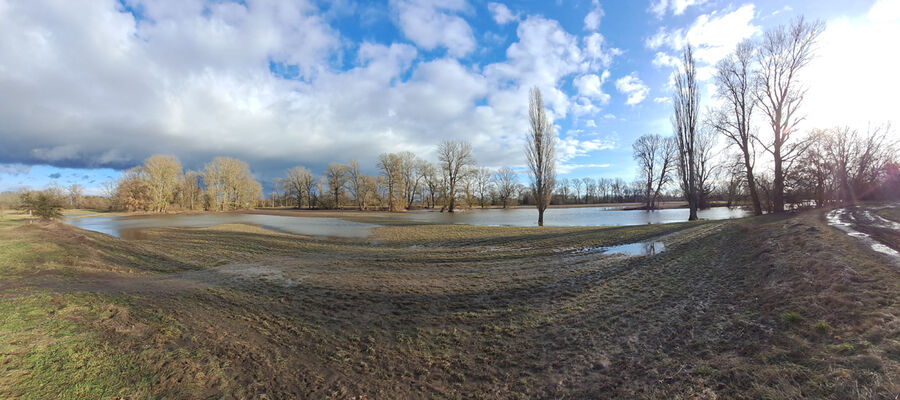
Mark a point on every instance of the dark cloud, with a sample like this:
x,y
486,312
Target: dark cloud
x,y
55,175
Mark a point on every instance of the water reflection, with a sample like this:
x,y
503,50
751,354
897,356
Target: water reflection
x,y
132,227
582,216
631,249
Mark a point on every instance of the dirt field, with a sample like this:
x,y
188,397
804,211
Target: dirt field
x,y
773,307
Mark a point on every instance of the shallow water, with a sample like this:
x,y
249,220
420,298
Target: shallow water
x,y
582,216
631,249
845,218
131,227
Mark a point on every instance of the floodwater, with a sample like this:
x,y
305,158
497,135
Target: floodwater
x,y
581,216
631,249
847,218
131,227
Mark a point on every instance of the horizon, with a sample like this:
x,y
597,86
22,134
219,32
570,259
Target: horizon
x,y
313,83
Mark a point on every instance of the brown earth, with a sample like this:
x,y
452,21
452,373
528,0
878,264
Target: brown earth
x,y
768,307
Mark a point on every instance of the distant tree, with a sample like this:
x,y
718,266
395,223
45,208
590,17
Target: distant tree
x,y
706,168
506,180
783,53
590,188
686,100
432,180
858,160
411,170
391,166
576,188
483,179
603,187
455,157
540,152
75,194
356,183
336,176
298,183
161,174
230,185
191,190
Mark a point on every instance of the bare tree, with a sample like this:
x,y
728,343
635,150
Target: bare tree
x,y
590,188
686,100
483,184
506,180
603,186
783,53
857,160
391,170
656,160
357,184
432,181
299,183
191,190
336,174
230,185
75,195
540,151
161,174
454,157
734,85
576,187
411,174
706,167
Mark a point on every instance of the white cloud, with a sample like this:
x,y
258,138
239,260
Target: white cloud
x,y
599,54
544,54
677,7
431,24
713,36
885,11
853,78
632,86
592,19
501,13
662,100
570,147
663,60
88,85
590,86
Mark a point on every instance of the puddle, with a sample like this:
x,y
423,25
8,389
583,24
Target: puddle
x,y
638,249
838,218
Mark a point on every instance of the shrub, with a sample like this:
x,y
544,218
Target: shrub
x,y
791,317
42,204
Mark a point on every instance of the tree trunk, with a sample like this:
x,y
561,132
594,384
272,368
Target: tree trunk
x,y
778,183
751,183
540,217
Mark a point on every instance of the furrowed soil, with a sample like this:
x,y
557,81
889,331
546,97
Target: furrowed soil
x,y
774,307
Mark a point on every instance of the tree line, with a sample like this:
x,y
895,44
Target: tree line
x,y
771,165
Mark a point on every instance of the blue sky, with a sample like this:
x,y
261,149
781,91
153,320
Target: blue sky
x,y
97,86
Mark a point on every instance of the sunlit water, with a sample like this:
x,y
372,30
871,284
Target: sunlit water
x,y
131,227
631,249
582,216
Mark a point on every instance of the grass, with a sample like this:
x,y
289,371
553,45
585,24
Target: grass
x,y
428,311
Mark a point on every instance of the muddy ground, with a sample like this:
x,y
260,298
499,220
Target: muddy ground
x,y
772,307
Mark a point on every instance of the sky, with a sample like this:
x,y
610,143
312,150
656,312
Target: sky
x,y
88,88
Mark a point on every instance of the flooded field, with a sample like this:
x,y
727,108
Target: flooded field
x,y
131,227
